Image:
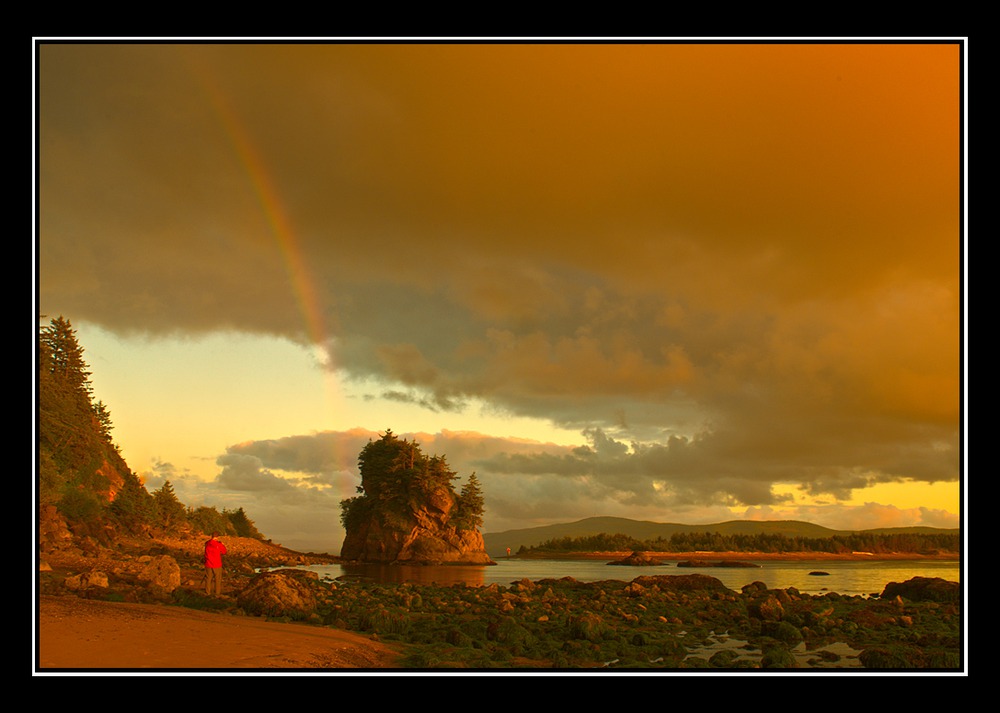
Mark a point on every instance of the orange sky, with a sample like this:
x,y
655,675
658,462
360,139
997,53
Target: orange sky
x,y
729,272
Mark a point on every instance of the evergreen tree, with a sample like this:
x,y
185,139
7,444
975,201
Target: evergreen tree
x,y
80,469
169,509
64,356
102,416
471,505
396,478
133,506
74,447
242,525
396,474
207,520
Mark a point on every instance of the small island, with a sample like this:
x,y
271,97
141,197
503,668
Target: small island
x,y
637,559
407,511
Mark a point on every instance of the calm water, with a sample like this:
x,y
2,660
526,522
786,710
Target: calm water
x,y
843,577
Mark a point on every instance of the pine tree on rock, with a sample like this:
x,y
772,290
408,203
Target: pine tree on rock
x,y
408,511
471,504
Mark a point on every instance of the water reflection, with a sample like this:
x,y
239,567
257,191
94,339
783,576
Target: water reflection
x,y
471,576
842,577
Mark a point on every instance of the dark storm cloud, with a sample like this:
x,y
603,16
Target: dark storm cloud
x,y
314,455
245,473
729,266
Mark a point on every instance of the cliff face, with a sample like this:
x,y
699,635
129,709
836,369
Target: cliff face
x,y
424,535
409,513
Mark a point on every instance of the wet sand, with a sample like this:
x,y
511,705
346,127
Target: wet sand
x,y
76,634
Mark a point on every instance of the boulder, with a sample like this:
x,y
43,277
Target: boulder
x,y
681,582
280,593
766,608
86,580
161,572
924,589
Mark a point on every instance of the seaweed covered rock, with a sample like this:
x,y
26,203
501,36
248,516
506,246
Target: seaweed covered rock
x,y
408,512
280,593
681,582
766,607
924,589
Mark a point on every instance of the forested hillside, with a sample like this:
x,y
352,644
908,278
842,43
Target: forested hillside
x,y
869,542
80,471
617,534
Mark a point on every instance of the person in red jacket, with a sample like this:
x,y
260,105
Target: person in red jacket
x,y
214,549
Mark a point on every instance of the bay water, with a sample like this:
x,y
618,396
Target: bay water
x,y
863,577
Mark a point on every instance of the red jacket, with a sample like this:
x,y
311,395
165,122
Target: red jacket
x,y
213,553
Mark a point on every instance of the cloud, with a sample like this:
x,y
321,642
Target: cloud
x,y
318,456
245,474
291,492
864,517
729,267
528,482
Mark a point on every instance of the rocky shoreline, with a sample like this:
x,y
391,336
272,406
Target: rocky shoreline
x,y
128,591
656,622
149,569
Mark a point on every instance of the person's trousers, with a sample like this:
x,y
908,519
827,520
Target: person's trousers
x,y
213,577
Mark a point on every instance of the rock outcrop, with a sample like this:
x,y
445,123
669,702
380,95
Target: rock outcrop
x,y
161,573
53,532
409,513
425,536
287,593
924,589
681,582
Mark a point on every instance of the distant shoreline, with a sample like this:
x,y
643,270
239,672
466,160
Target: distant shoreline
x,y
774,556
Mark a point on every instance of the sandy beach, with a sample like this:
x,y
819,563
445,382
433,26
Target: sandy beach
x,y
76,634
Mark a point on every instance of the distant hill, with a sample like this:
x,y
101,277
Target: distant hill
x,y
498,542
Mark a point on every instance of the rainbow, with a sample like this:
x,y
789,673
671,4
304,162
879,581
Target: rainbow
x,y
274,212
282,229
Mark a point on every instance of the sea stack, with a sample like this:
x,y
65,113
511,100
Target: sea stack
x,y
408,511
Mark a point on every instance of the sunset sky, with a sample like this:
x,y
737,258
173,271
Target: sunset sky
x,y
680,282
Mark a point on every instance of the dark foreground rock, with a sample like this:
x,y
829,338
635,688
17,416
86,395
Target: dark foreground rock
x,y
682,582
658,621
281,593
652,622
924,589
